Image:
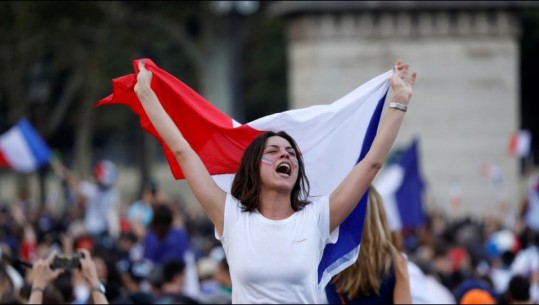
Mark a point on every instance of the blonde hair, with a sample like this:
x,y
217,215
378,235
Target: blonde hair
x,y
375,254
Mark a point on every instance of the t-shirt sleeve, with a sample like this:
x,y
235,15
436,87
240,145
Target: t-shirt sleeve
x,y
232,214
322,206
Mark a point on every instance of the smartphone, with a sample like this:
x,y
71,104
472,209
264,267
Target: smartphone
x,y
67,261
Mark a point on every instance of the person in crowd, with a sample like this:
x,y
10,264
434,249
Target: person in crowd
x,y
380,273
218,288
518,291
173,283
140,212
163,241
272,232
43,274
98,202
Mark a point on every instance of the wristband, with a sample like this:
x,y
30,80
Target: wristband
x,y
399,106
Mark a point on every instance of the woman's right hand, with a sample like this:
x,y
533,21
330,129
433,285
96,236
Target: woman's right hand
x,y
144,77
88,268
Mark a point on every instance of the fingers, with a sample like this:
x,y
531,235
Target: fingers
x,y
85,253
141,65
402,69
50,258
412,78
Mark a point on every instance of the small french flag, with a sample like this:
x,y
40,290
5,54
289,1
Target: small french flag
x,y
520,143
22,148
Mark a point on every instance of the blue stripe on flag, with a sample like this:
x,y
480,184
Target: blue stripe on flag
x,y
40,150
350,231
409,195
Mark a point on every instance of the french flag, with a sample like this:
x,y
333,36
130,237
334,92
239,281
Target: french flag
x,y
332,139
520,143
401,187
22,148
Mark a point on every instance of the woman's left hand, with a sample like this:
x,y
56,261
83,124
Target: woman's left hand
x,y
402,82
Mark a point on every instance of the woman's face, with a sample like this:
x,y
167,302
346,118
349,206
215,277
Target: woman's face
x,y
279,164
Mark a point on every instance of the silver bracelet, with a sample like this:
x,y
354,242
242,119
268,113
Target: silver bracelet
x,y
399,106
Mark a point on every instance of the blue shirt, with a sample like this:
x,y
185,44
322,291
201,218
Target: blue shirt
x,y
173,246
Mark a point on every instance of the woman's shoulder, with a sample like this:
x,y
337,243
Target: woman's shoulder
x,y
318,200
400,262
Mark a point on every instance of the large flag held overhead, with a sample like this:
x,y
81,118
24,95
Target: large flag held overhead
x,y
401,187
332,139
22,148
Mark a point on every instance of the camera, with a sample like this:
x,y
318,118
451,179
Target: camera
x,y
67,261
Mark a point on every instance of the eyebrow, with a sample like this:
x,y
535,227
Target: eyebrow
x,y
277,146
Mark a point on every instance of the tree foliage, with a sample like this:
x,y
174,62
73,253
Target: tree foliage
x,y
59,59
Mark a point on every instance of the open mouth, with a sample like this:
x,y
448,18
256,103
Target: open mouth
x,y
284,168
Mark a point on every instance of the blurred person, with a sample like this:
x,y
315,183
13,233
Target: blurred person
x,y
500,271
98,201
218,288
173,272
134,276
140,212
432,286
418,279
477,296
530,205
526,263
268,214
7,288
475,291
42,275
380,273
163,241
518,291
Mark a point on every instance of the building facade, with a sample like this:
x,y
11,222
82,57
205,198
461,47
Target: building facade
x,y
466,99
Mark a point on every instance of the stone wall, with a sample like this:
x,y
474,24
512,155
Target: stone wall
x,y
465,103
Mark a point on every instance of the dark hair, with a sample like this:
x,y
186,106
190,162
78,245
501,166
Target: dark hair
x,y
162,220
518,288
246,184
171,268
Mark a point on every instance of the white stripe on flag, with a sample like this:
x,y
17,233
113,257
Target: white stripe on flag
x,y
16,150
386,185
330,137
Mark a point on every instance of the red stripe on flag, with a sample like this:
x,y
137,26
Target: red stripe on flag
x,y
3,161
513,144
208,130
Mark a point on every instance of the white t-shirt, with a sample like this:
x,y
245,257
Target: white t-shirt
x,y
99,205
275,261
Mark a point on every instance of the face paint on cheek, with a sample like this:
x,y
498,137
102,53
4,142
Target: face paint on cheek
x,y
295,162
267,161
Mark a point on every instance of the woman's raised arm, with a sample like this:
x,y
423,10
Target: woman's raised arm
x,y
346,196
208,193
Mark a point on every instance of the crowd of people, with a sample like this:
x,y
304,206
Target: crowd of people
x,y
163,254
260,243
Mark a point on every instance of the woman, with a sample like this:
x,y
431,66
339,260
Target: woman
x,y
272,234
380,273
